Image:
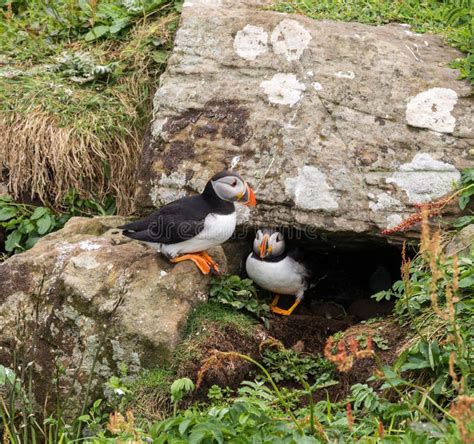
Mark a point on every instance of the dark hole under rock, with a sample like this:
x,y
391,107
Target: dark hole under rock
x,y
347,270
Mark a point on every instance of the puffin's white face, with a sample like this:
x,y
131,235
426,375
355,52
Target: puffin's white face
x,y
268,243
233,188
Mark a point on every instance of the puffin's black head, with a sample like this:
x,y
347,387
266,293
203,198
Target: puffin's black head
x,y
268,243
231,187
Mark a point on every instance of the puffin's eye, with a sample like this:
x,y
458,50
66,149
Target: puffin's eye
x,y
234,183
279,237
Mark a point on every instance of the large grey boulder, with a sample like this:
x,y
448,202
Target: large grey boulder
x,y
340,127
89,301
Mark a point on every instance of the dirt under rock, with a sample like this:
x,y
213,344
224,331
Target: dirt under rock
x,y
304,332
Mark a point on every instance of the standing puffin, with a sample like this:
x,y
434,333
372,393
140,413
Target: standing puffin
x,y
185,228
271,267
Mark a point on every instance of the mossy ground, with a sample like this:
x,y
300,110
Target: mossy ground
x,y
73,107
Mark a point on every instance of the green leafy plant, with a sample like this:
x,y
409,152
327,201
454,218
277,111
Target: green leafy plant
x,y
218,395
240,294
366,397
466,186
179,389
377,339
289,365
25,224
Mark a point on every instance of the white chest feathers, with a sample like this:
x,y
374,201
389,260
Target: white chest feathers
x,y
284,277
217,229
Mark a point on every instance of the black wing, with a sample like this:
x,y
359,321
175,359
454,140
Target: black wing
x,y
175,222
303,257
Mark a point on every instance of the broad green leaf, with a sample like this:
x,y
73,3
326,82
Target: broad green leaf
x,y
3,375
96,32
30,242
13,241
184,426
39,212
463,221
467,281
463,201
44,224
118,25
7,213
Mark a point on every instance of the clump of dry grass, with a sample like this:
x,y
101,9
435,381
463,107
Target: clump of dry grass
x,y
45,160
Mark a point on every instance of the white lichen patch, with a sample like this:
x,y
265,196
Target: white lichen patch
x,y
85,261
290,39
87,245
168,188
317,86
345,75
393,220
432,109
283,89
193,3
250,42
424,178
384,202
310,190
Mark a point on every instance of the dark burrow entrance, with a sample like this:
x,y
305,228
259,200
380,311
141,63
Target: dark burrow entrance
x,y
347,270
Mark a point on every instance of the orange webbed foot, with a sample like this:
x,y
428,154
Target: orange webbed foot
x,y
210,261
200,262
281,311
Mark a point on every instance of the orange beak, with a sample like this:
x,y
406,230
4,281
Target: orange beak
x,y
263,245
250,198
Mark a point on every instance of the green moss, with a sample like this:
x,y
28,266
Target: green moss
x,y
158,378
223,316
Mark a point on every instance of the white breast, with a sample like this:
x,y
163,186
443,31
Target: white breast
x,y
217,229
284,277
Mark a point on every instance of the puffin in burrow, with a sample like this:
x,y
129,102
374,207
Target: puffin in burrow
x,y
271,266
186,228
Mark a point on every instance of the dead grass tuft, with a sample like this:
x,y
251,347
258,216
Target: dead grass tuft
x,y
45,160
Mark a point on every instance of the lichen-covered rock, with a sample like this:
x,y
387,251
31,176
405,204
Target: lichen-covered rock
x,y
340,127
88,300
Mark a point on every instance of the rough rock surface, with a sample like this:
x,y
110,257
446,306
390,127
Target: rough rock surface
x,y
86,298
340,127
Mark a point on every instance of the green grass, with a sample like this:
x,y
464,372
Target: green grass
x,y
452,19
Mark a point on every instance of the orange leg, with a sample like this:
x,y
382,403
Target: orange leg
x,y
210,261
200,262
280,311
275,301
